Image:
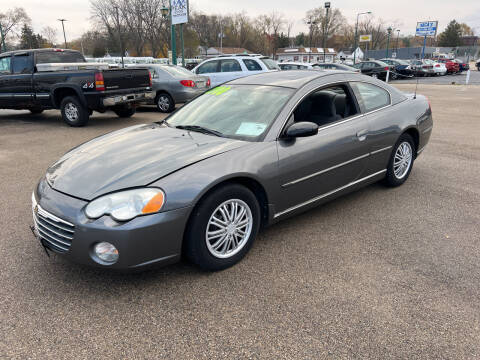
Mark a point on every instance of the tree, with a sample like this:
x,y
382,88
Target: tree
x,y
13,20
466,30
30,40
50,34
451,36
324,27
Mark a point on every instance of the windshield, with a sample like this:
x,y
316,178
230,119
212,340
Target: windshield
x,y
176,71
56,57
238,111
270,64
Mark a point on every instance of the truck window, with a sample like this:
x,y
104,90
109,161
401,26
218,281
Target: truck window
x,y
55,57
5,65
22,64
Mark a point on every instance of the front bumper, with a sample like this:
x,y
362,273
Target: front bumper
x,y
144,241
127,98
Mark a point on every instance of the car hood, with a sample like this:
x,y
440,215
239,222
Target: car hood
x,y
132,157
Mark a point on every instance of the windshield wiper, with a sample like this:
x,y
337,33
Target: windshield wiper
x,y
200,129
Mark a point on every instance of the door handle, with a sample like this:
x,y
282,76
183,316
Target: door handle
x,y
362,135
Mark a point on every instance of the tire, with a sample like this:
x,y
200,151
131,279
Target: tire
x,y
36,111
375,76
125,112
165,103
396,173
73,112
220,251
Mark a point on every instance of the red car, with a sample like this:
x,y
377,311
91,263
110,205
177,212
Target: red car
x,y
452,66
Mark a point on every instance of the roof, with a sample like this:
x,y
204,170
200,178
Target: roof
x,y
304,51
232,50
13,52
293,78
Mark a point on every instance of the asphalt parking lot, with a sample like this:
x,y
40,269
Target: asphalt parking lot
x,y
458,79
381,273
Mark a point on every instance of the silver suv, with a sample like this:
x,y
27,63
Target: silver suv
x,y
226,68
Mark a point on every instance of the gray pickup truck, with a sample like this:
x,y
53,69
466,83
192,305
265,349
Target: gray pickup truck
x,y
42,79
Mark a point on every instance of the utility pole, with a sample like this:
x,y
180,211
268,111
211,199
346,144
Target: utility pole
x,y
396,46
63,27
312,23
325,32
389,32
356,36
119,35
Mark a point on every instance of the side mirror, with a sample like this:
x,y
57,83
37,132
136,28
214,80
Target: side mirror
x,y
301,129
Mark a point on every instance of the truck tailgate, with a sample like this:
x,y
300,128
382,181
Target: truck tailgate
x,y
118,79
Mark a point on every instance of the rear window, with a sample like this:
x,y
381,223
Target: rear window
x,y
56,57
370,97
252,65
270,64
176,71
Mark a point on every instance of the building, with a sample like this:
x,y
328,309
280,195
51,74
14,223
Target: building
x,y
305,54
347,55
470,40
211,52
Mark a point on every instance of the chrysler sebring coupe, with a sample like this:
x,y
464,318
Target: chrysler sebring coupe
x,y
243,155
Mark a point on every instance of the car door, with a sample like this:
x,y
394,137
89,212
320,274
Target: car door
x,y
314,167
5,73
210,69
230,69
21,82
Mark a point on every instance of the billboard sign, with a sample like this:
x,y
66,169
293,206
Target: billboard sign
x,y
179,9
426,28
365,38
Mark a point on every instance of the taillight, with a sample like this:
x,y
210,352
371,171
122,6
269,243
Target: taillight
x,y
208,82
188,83
438,65
58,50
387,68
150,78
99,82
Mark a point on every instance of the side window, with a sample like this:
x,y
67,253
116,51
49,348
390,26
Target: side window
x,y
326,106
5,65
252,65
229,65
209,67
370,97
22,64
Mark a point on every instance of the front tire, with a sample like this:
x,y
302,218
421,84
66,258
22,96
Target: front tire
x,y
73,112
401,161
222,228
165,103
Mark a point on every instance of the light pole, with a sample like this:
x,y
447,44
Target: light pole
x,y
165,12
312,23
63,27
325,33
396,45
389,32
119,35
356,36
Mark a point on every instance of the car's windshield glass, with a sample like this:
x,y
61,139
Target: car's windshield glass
x,y
176,71
237,111
56,57
270,64
402,62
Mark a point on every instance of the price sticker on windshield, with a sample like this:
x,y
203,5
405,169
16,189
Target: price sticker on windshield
x,y
219,90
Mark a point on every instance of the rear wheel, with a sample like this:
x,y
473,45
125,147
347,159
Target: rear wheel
x,y
73,112
401,161
164,103
222,228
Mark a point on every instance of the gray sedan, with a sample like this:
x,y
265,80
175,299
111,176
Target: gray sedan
x,y
242,156
174,84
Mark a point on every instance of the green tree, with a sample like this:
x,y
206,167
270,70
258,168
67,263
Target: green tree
x,y
451,36
301,39
28,40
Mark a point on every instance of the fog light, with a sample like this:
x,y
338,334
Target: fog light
x,y
106,252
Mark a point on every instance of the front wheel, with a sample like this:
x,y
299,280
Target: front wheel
x,y
165,103
73,112
222,228
401,161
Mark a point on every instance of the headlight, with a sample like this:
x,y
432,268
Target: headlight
x,y
126,205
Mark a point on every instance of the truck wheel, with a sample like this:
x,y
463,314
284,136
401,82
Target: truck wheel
x,y
125,112
165,103
73,112
36,110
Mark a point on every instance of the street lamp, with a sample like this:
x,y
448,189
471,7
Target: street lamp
x,y
312,23
325,33
119,35
63,27
356,35
389,32
396,45
165,12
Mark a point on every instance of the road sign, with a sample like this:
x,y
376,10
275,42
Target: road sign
x,y
179,10
426,28
394,55
365,38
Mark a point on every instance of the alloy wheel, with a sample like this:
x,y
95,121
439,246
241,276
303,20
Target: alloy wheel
x,y
71,112
403,160
163,103
229,228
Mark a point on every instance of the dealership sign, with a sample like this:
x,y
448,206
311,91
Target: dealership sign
x,y
179,10
426,28
365,38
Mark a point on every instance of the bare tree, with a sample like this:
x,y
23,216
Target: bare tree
x,y
13,20
327,26
50,34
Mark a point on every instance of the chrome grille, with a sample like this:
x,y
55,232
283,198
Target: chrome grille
x,y
56,233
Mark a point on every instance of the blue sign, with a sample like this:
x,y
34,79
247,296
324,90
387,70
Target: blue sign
x,y
427,28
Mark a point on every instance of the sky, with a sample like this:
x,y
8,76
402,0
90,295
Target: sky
x,y
403,15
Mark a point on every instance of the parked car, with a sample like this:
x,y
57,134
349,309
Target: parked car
x,y
478,65
173,84
374,68
334,66
422,67
226,68
190,65
42,79
401,68
452,66
438,67
290,65
239,157
462,65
